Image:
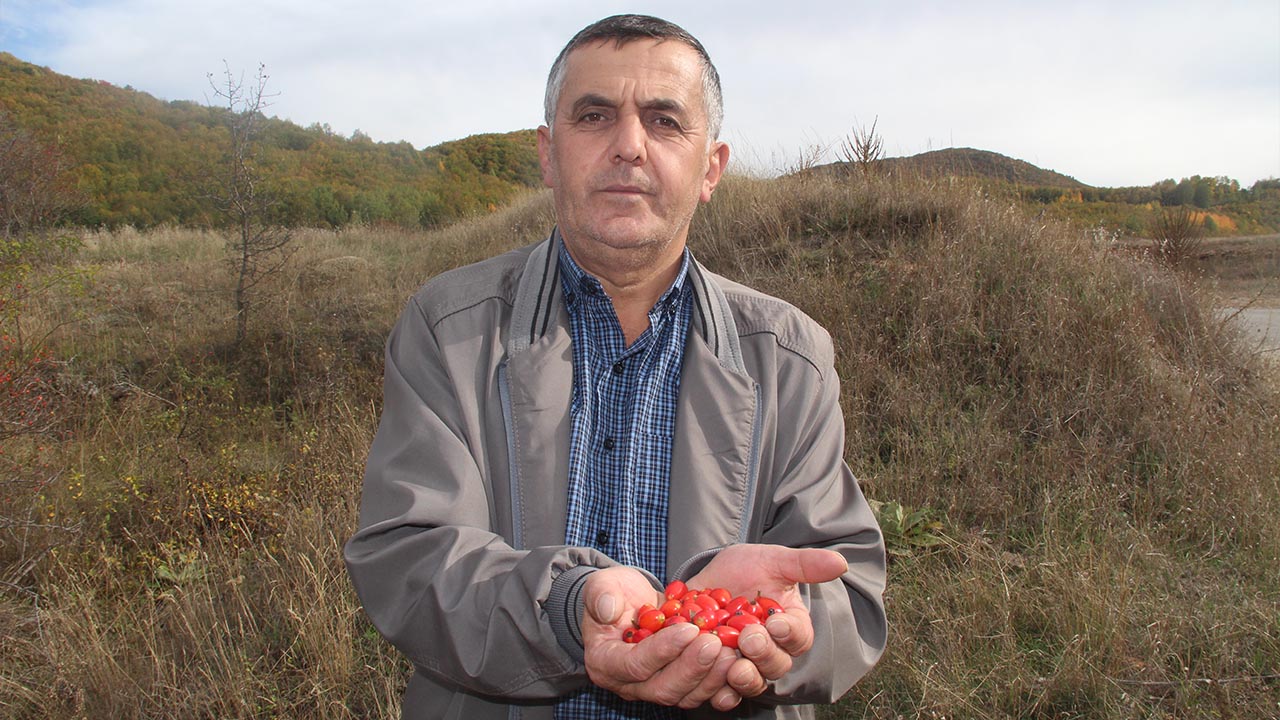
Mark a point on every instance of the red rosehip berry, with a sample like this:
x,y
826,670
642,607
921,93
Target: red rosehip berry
x,y
651,620
728,636
676,589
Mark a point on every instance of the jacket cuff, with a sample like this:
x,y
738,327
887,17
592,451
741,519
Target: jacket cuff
x,y
694,565
564,608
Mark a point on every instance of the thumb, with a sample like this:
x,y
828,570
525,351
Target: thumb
x,y
599,603
812,565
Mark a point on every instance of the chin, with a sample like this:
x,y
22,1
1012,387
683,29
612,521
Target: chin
x,y
625,234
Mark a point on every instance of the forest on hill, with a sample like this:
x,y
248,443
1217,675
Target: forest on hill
x,y
135,160
1219,204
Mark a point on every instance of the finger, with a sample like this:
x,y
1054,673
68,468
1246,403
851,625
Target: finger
x,y
683,675
614,663
604,609
745,678
715,680
792,631
608,593
757,646
811,565
725,699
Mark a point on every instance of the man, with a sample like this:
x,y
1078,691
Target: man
x,y
568,426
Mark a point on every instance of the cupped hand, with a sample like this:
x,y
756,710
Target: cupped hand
x,y
674,666
776,572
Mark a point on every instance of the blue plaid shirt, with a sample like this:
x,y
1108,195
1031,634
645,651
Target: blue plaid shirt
x,y
623,417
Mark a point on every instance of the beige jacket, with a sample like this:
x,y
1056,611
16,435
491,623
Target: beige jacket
x,y
460,559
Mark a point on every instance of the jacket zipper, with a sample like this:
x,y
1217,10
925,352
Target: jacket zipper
x,y
753,472
508,422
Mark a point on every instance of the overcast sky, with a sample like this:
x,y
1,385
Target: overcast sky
x,y
1111,93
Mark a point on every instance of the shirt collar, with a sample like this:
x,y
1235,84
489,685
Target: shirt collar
x,y
576,282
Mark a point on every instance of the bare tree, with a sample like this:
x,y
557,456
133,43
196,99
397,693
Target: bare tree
x,y
257,247
863,148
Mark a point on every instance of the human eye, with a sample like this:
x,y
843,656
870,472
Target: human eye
x,y
667,123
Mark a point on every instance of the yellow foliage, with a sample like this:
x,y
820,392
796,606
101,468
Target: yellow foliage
x,y
1223,223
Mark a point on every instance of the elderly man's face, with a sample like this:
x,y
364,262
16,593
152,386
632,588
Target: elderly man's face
x,y
629,155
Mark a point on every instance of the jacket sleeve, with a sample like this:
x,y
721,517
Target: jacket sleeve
x,y
816,502
469,610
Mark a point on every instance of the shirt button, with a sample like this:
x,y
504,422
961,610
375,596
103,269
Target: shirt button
x,y
608,443
617,368
602,538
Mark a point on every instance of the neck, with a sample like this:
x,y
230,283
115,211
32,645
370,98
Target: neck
x,y
633,283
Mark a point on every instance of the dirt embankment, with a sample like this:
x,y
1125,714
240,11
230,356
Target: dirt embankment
x,y
1244,273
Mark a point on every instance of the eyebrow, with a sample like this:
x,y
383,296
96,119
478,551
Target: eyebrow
x,y
595,100
591,100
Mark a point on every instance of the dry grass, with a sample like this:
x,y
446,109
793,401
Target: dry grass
x,y
1102,452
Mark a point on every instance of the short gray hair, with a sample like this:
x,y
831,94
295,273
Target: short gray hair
x,y
622,29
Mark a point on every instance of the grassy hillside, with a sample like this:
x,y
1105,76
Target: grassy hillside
x,y
1096,449
968,162
143,162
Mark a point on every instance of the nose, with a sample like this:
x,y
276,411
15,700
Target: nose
x,y
629,140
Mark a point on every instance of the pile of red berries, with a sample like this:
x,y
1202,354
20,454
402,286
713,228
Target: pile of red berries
x,y
713,611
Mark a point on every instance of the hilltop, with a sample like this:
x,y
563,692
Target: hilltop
x,y
970,162
1218,203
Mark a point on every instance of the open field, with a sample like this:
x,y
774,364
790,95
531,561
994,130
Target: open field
x,y
1095,449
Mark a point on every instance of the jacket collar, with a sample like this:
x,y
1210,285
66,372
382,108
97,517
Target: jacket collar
x,y
539,303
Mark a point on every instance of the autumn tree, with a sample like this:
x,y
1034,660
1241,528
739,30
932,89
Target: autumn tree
x,y
35,195
34,192
258,248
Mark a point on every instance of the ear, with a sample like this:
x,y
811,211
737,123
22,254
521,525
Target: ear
x,y
717,159
544,157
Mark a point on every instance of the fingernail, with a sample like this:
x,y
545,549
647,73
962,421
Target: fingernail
x,y
752,644
778,628
726,700
743,677
687,631
605,608
708,653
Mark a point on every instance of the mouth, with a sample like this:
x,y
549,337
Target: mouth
x,y
624,190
